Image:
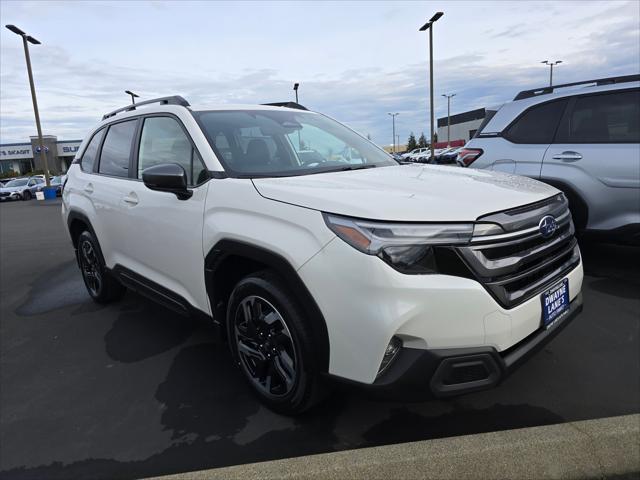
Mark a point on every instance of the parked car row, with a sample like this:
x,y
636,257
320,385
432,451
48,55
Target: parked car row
x,y
442,156
25,188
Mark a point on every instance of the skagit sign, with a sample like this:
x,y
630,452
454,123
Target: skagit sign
x,y
16,153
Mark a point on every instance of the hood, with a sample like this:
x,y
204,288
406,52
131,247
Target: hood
x,y
11,189
407,192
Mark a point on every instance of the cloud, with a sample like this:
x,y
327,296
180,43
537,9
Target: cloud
x,y
76,88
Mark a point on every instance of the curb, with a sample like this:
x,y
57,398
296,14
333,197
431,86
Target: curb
x,y
601,448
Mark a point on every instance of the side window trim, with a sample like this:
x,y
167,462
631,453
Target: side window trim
x,y
562,132
138,137
96,164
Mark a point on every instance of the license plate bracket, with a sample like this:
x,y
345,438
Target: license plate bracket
x,y
555,302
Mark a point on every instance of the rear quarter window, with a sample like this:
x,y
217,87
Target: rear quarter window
x,y
538,124
88,159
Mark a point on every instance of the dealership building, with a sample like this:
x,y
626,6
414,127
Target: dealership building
x,y
21,158
463,125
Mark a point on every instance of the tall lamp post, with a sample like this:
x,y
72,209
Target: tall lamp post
x,y
295,89
393,120
133,96
449,96
551,64
26,39
429,26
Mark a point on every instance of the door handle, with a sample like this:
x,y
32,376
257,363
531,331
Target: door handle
x,y
88,188
131,199
568,156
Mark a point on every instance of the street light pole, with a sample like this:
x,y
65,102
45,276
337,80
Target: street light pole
x,y
393,120
449,116
429,26
551,64
27,38
133,96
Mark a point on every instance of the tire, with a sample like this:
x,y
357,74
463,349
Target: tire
x,y
26,195
275,349
101,285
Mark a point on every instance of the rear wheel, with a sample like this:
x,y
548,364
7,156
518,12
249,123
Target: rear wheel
x,y
26,195
101,285
272,345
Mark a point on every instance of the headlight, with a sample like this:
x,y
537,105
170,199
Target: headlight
x,y
407,247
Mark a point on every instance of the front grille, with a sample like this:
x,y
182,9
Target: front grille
x,y
521,263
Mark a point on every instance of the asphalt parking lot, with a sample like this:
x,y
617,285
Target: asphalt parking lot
x,y
130,390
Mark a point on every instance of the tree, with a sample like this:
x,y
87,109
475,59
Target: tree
x,y
422,141
411,142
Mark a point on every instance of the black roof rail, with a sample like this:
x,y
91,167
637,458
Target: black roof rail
x,y
174,100
598,81
287,105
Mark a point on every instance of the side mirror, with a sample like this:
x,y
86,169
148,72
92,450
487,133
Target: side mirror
x,y
167,177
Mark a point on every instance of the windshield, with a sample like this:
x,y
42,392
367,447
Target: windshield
x,y
286,143
17,183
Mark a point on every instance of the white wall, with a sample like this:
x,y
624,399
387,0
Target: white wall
x,y
459,131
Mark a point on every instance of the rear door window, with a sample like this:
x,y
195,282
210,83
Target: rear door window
x,y
606,118
538,124
116,150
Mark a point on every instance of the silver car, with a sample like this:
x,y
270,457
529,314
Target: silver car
x,y
583,138
20,189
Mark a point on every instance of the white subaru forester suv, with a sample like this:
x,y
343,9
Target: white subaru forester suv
x,y
409,280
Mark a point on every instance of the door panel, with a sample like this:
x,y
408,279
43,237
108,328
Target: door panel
x,y
164,239
607,177
164,243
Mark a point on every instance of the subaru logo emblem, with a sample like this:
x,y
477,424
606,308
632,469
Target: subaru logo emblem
x,y
547,226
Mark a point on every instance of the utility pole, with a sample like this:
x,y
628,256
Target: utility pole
x,y
393,120
429,26
28,38
449,116
551,64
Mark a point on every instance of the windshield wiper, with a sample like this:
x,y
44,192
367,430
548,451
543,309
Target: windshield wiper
x,y
350,167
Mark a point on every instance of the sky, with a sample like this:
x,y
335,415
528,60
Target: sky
x,y
355,61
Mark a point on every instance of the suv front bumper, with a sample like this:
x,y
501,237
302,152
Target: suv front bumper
x,y
417,374
365,303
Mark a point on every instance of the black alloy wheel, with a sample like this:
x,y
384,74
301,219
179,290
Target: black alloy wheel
x,y
102,286
91,271
265,347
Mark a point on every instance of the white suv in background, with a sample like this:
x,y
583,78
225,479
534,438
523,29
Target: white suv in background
x,y
583,138
407,280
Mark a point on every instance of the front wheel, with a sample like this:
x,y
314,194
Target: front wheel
x,y
272,345
26,195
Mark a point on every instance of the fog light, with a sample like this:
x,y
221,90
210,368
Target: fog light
x,y
389,354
